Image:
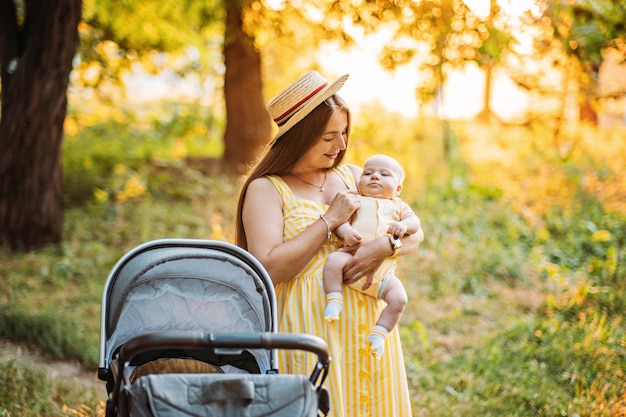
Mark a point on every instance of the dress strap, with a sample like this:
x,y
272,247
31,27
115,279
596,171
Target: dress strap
x,y
346,175
281,185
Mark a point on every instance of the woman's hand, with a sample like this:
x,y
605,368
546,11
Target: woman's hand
x,y
366,259
368,256
342,207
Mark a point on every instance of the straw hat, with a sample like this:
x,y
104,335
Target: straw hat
x,y
300,98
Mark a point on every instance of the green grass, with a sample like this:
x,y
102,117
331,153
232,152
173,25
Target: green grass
x,y
516,296
28,391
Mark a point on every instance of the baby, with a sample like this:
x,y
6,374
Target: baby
x,y
382,212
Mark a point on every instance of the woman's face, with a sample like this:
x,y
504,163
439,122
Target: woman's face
x,y
324,152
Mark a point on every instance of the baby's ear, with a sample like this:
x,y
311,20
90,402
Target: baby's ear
x,y
399,189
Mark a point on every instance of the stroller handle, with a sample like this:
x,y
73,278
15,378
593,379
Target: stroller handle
x,y
176,339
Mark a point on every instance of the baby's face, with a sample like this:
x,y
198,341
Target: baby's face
x,y
379,179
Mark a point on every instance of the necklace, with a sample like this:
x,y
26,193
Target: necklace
x,y
319,187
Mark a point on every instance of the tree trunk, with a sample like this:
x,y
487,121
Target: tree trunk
x,y
485,114
248,126
38,55
587,112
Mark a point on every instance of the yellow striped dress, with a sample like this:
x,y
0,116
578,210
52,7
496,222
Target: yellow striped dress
x,y
359,384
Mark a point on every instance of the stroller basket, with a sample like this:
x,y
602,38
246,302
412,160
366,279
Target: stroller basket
x,y
221,394
188,328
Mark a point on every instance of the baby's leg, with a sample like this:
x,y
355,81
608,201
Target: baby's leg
x,y
396,299
333,282
333,271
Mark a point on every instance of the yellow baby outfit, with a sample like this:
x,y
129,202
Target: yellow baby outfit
x,y
372,221
359,384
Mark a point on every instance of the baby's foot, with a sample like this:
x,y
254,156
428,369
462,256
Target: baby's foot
x,y
376,341
334,306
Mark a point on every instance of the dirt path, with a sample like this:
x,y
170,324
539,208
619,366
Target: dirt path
x,y
68,370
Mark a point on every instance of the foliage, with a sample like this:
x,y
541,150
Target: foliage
x,y
587,28
574,37
185,40
28,392
565,238
541,368
177,36
99,161
58,338
574,350
444,36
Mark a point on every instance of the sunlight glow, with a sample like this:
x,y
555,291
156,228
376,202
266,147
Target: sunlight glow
x,y
516,8
368,81
462,96
480,7
513,8
275,4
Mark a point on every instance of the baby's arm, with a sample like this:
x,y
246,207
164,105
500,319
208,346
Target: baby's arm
x,y
349,234
409,224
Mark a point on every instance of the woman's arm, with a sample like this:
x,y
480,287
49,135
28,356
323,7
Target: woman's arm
x,y
370,255
262,217
263,222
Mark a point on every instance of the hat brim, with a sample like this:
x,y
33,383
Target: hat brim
x,y
313,102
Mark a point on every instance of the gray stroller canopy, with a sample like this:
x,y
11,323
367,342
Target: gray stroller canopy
x,y
186,285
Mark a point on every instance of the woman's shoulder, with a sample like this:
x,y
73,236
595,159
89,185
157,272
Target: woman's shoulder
x,y
269,185
262,184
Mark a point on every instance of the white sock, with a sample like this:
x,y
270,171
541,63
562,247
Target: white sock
x,y
334,306
376,340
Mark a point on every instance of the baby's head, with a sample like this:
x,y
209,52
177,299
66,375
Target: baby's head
x,y
382,177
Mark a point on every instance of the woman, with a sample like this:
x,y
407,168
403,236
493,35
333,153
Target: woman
x,y
289,205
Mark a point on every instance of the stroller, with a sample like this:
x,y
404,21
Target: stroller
x,y
188,328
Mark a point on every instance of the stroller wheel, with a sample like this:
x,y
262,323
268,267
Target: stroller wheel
x,y
111,410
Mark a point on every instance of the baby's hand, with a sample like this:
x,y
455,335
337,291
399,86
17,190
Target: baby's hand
x,y
396,229
351,238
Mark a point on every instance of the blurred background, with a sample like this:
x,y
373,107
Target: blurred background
x,y
126,121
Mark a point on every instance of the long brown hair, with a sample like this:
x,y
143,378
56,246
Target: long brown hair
x,y
282,156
